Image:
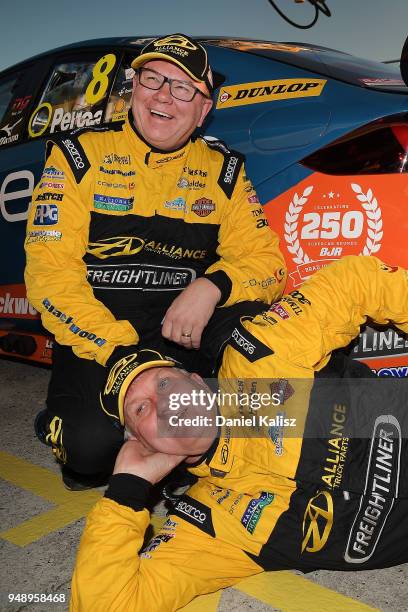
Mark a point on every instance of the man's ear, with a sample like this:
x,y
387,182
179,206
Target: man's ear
x,y
134,83
196,377
207,105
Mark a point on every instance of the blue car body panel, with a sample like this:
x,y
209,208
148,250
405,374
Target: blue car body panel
x,y
275,135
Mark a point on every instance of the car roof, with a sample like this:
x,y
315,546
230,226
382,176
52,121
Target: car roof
x,y
315,58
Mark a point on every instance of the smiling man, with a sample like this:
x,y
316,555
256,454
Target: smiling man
x,y
155,235
323,484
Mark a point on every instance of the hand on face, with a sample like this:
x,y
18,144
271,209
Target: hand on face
x,y
190,312
134,458
163,121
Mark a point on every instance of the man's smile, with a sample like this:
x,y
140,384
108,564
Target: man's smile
x,y
160,114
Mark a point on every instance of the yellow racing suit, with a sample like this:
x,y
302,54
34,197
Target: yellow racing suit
x,y
117,229
280,500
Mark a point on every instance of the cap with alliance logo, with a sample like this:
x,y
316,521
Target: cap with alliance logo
x,y
88,438
186,53
125,364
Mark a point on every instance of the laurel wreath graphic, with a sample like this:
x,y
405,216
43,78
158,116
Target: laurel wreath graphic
x,y
374,220
369,204
291,223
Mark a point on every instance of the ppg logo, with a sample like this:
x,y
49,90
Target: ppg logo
x,y
46,214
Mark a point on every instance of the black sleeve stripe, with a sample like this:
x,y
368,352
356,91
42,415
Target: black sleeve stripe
x,y
73,150
129,490
73,153
233,161
248,345
229,173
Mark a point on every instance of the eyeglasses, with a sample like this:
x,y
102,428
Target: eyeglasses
x,y
181,90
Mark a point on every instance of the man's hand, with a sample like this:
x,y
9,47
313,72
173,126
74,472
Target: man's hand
x,y
133,458
190,312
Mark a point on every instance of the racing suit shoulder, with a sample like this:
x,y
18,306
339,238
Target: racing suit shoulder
x,y
232,162
74,146
179,563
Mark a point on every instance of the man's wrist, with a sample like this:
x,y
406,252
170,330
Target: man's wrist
x,y
222,281
129,490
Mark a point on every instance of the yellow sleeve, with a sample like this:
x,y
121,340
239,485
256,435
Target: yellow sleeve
x,y
180,563
348,292
55,274
248,249
326,312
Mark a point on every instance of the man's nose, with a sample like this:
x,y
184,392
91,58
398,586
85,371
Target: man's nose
x,y
163,94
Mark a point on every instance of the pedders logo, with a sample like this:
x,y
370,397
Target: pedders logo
x,y
14,303
48,118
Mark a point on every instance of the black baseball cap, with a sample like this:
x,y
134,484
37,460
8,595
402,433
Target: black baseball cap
x,y
123,370
83,422
186,53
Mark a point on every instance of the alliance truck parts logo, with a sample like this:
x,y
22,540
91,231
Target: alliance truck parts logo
x,y
175,44
268,91
317,522
120,246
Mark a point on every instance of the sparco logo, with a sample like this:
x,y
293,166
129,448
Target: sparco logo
x,y
229,174
74,153
191,511
243,342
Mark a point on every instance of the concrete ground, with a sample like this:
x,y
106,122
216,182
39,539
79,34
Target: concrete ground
x,y
41,524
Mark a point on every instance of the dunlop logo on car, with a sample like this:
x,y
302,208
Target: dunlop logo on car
x,y
267,91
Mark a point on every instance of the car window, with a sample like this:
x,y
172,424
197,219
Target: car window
x,y
375,149
74,95
119,100
12,109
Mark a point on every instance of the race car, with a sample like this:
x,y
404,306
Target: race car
x,y
325,136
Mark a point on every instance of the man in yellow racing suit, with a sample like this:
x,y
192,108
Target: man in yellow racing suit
x,y
136,225
330,493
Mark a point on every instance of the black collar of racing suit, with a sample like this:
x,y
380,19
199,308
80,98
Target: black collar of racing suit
x,y
167,153
207,456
